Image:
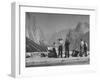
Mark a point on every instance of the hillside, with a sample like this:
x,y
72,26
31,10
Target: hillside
x,y
81,31
31,46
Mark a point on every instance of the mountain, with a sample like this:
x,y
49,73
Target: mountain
x,y
82,27
34,35
81,31
33,31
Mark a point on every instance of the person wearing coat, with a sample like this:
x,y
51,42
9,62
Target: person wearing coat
x,y
60,48
54,50
67,43
81,48
85,48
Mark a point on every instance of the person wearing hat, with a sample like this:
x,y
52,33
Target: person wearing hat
x,y
60,48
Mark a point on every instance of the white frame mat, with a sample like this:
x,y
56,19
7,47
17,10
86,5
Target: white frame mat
x,y
18,68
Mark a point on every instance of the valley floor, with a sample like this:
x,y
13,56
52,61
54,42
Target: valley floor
x,y
45,61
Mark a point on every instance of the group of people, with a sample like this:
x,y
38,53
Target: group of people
x,y
58,48
61,49
83,48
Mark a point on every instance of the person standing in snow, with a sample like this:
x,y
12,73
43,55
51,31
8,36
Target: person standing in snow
x,y
67,43
81,48
60,48
85,48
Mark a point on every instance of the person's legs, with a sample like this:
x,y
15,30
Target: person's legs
x,y
68,52
81,52
58,52
85,52
61,53
65,54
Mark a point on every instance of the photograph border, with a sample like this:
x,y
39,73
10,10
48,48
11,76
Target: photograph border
x,y
17,66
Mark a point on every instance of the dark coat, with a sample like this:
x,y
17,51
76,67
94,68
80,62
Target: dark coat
x,y
67,43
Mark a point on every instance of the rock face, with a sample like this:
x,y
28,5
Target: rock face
x,y
33,31
34,35
81,31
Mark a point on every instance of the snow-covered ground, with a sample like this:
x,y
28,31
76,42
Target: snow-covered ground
x,y
37,60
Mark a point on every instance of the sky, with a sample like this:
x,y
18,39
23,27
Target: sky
x,y
51,23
